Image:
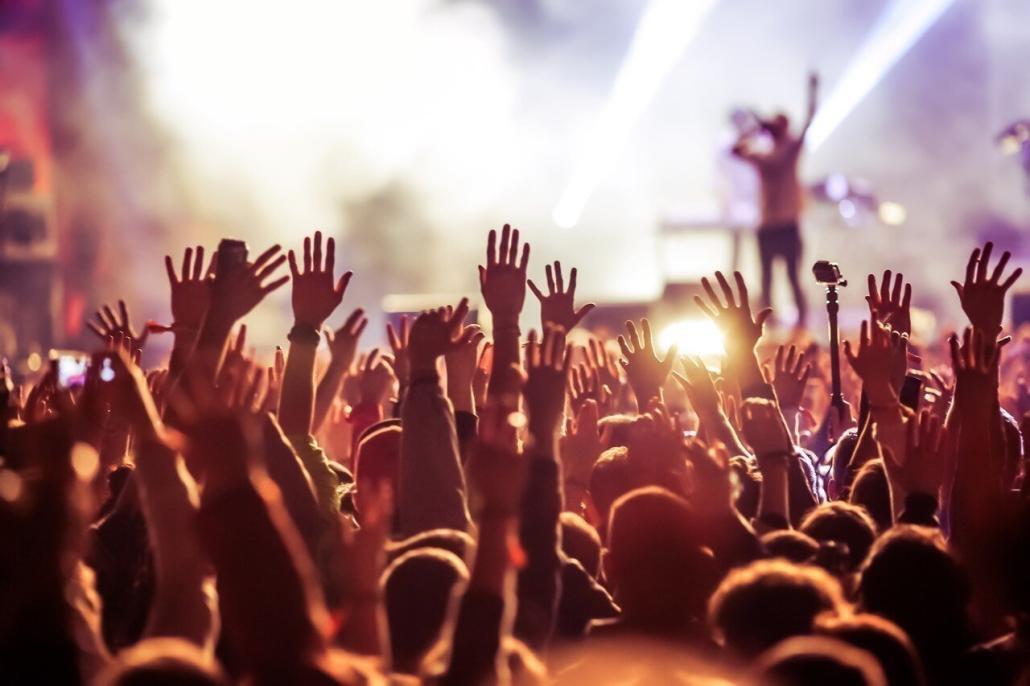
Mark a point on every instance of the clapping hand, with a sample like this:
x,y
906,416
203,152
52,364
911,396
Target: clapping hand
x,y
645,372
983,297
558,306
316,293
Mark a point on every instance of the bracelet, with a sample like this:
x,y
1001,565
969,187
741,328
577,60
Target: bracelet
x,y
304,333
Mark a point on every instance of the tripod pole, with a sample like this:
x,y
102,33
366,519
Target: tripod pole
x,y
832,308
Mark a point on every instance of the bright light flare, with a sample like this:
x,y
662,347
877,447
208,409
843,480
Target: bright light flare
x,y
892,213
897,30
698,337
665,30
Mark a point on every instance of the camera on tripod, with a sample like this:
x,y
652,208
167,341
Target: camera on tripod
x,y
828,273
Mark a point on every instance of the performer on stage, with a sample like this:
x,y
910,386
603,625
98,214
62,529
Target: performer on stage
x,y
779,234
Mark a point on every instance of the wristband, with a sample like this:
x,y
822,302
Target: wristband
x,y
304,333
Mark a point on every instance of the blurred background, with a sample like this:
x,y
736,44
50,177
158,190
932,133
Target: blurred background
x,y
132,128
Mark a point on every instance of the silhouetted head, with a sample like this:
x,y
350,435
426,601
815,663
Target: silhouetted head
x,y
791,545
377,461
163,662
611,477
453,541
842,523
911,579
659,569
818,661
581,542
881,638
870,490
757,606
417,591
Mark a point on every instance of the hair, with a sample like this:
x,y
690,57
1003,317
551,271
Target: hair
x,y
749,486
417,591
816,661
581,542
162,662
377,460
911,579
871,491
453,541
611,477
767,601
842,523
615,429
789,544
883,639
658,566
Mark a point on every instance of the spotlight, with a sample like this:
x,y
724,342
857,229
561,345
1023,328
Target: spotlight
x,y
897,30
664,32
692,337
892,213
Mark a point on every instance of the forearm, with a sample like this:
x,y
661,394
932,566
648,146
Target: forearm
x,y
296,405
169,500
773,500
432,483
459,392
538,534
325,394
503,381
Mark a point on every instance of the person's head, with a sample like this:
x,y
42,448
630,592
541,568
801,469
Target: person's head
x,y
816,661
377,461
842,523
581,542
761,604
162,662
612,476
659,569
778,126
790,545
451,540
871,491
911,579
417,591
615,430
881,638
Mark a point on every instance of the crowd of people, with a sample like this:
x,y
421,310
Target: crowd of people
x,y
482,505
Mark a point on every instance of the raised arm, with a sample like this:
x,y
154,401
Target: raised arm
x,y
190,298
343,346
316,293
431,492
503,285
812,105
644,371
558,307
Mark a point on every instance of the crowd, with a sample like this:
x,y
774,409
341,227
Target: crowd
x,y
518,508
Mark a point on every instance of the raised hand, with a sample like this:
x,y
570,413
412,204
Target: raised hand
x,y
891,305
316,293
461,364
789,376
117,329
399,345
191,291
580,446
503,280
763,428
928,454
699,386
375,380
645,372
547,373
983,296
343,344
741,330
603,364
975,362
238,291
274,381
880,361
436,333
585,384
558,306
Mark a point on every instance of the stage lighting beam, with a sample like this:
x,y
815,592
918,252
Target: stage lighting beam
x,y
665,30
896,31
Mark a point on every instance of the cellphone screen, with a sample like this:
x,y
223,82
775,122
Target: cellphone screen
x,y
911,391
71,371
232,254
106,373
